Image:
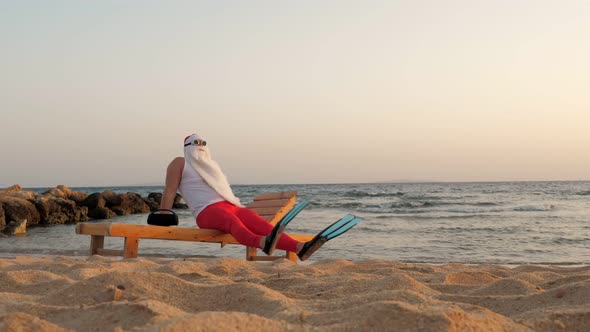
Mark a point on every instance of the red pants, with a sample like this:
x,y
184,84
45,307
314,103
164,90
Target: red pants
x,y
244,224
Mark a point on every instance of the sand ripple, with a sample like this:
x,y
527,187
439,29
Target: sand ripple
x,y
203,294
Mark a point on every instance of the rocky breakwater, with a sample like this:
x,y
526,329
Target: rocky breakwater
x,y
61,205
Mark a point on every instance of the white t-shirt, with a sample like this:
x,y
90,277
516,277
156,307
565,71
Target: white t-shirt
x,y
195,191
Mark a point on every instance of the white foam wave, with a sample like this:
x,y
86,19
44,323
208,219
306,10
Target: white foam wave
x,y
533,208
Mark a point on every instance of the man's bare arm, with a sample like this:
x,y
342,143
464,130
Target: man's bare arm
x,y
173,176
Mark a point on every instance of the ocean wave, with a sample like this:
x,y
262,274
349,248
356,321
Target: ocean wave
x,y
421,208
349,205
370,229
430,204
563,240
468,229
584,193
358,193
393,211
447,217
410,204
535,208
483,204
381,208
475,211
423,197
492,191
445,203
389,216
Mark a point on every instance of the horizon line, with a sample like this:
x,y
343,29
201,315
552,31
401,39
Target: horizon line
x,y
308,183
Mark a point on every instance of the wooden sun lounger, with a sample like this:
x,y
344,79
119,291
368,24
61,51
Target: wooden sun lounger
x,y
271,206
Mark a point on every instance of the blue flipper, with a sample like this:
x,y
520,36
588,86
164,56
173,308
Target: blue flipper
x,y
273,238
345,227
293,212
335,226
336,229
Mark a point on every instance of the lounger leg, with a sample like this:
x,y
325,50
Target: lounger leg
x,y
292,256
250,253
96,242
131,247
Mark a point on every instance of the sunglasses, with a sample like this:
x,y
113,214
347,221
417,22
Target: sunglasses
x,y
197,143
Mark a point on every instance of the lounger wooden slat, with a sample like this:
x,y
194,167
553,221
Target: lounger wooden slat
x,y
91,228
269,203
171,233
268,210
276,195
166,233
268,217
285,201
280,203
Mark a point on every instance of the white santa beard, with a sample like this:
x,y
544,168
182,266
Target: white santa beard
x,y
210,171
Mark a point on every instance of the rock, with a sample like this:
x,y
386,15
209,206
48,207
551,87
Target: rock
x,y
11,189
177,198
178,202
155,197
67,193
81,213
74,213
153,200
180,206
55,210
16,227
77,197
93,201
152,204
131,203
45,205
18,209
62,205
57,218
120,211
24,194
65,204
17,191
56,192
111,198
65,189
28,195
2,217
101,213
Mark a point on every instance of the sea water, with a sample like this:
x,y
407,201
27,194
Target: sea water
x,y
506,223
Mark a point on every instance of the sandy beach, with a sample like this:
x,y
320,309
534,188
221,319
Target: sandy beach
x,y
203,294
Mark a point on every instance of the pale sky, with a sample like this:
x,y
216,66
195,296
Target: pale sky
x,y
102,93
